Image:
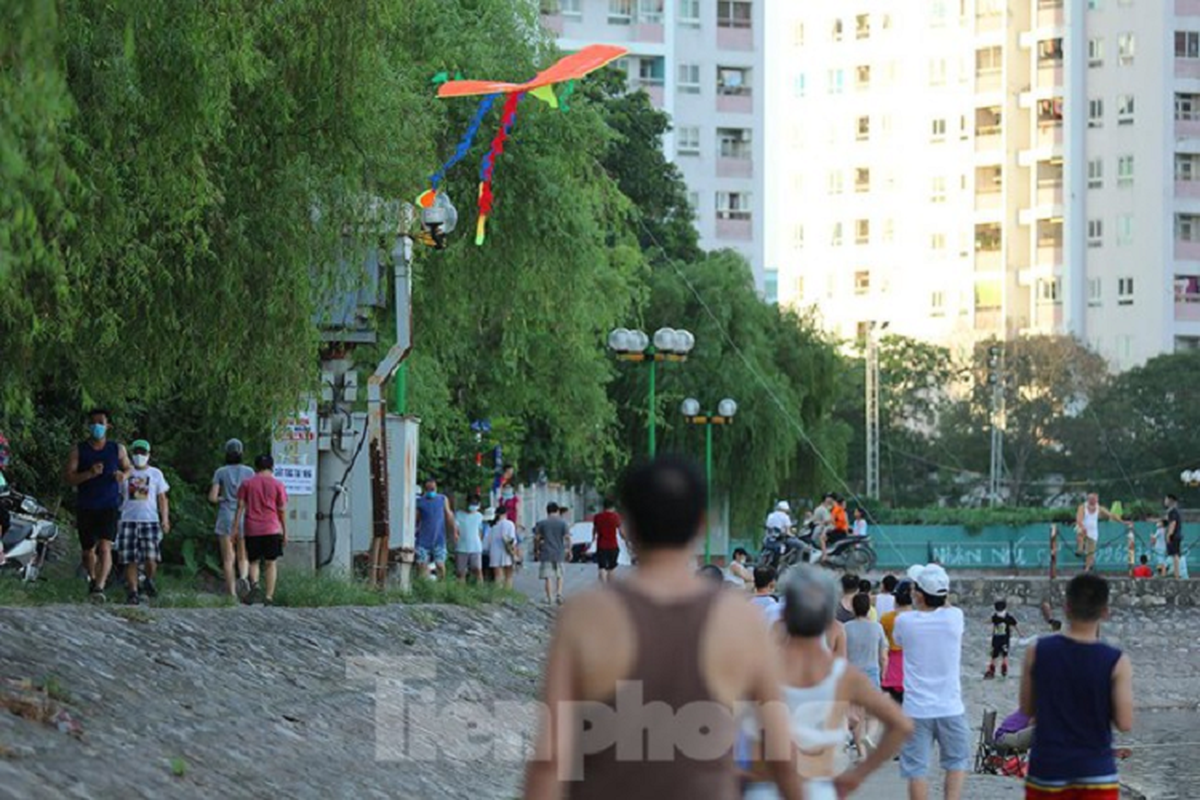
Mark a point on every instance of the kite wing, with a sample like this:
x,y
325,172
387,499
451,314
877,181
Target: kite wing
x,y
576,65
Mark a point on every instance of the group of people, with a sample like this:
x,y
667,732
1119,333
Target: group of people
x,y
808,659
123,512
1166,542
829,522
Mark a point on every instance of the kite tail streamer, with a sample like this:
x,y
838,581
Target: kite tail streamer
x,y
507,120
464,145
567,92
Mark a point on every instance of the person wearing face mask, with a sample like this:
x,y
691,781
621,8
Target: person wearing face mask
x,y
435,517
94,468
468,545
145,517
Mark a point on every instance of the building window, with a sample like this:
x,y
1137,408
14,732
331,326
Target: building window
x,y
651,71
1125,109
733,81
1125,44
836,81
937,14
1095,173
689,78
1049,290
1187,227
620,12
862,281
1050,111
650,12
694,200
734,14
1187,107
1124,291
1125,230
988,61
799,87
798,237
862,129
835,33
1095,232
862,26
862,231
835,235
835,182
689,13
1095,112
733,205
1125,171
937,304
571,8
1187,44
1187,167
1096,51
687,141
1094,297
937,72
937,241
938,130
734,142
1050,51
798,287
797,34
937,191
862,77
862,179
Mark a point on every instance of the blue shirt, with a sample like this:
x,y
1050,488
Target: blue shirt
x,y
431,521
1072,683
101,492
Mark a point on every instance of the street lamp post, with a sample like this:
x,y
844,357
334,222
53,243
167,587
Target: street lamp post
x,y
726,409
1190,477
668,345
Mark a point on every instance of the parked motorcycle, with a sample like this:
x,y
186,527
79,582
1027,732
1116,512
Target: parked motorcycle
x,y
31,530
782,550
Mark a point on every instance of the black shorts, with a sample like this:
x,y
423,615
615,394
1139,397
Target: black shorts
x,y
1175,546
264,548
895,694
999,647
95,524
607,559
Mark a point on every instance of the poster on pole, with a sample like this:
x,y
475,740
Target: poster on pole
x,y
297,479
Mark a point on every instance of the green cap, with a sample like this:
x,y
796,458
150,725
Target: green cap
x,y
140,444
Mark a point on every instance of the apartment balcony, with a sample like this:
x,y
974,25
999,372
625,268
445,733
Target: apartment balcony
x,y
735,38
651,32
989,261
735,229
989,23
1050,75
735,103
652,87
1049,135
1187,307
989,201
1187,129
553,23
1050,195
1049,256
1187,251
1050,15
1189,189
989,319
988,139
1187,8
1187,68
988,81
735,167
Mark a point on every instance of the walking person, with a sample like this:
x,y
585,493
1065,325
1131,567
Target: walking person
x,y
740,572
845,609
551,543
468,544
676,642
502,548
94,468
1158,542
224,493
145,517
931,637
893,676
261,519
1087,528
885,600
435,517
867,650
1003,625
818,686
1174,532
1078,689
607,537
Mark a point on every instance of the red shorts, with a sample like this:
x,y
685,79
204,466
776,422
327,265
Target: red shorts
x,y
1107,789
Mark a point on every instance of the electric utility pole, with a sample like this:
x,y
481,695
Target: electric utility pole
x,y
997,380
872,406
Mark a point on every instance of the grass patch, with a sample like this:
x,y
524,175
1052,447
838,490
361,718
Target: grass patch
x,y
324,591
179,767
55,690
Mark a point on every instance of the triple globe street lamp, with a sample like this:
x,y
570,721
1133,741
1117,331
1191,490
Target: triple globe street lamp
x,y
668,345
724,416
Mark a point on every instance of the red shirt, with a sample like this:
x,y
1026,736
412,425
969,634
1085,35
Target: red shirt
x,y
264,498
605,525
1142,571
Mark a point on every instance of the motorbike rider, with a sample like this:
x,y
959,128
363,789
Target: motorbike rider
x,y
839,525
780,520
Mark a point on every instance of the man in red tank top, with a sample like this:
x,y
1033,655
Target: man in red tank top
x,y
606,528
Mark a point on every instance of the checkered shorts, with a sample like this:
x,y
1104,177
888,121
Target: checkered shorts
x,y
137,542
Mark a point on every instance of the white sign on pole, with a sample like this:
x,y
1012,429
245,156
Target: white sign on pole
x,y
297,479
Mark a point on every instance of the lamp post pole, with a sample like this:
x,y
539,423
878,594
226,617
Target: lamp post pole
x,y
708,488
724,416
650,356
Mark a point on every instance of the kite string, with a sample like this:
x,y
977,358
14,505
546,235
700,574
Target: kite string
x,y
464,144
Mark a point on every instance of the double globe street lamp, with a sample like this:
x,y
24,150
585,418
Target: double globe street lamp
x,y
1190,477
668,345
724,416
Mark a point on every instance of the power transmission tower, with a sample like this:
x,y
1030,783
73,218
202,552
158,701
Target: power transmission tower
x,y
872,405
997,380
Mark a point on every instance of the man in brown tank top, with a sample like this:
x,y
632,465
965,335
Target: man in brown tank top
x,y
643,675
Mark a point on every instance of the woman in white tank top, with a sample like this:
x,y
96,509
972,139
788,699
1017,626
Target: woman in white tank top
x,y
819,688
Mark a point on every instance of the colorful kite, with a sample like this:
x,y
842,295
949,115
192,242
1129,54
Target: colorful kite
x,y
566,71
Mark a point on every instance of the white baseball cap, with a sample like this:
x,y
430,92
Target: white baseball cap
x,y
782,505
933,580
914,571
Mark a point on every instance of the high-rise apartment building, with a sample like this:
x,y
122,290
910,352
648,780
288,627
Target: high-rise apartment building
x,y
701,61
969,168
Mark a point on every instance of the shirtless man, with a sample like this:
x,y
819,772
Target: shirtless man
x,y
673,640
1087,528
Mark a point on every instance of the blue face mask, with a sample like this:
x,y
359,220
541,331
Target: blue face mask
x,y
431,494
472,509
98,429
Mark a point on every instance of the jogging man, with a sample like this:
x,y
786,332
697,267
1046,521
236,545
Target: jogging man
x,y
94,468
551,540
1087,528
435,516
606,535
145,517
262,520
